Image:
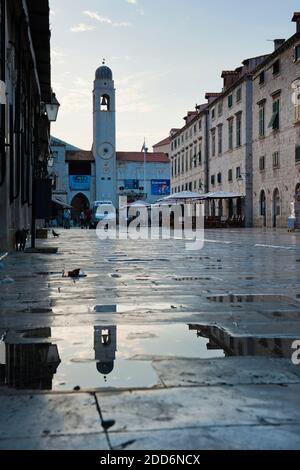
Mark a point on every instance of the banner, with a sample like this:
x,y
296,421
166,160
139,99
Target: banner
x,y
160,187
80,183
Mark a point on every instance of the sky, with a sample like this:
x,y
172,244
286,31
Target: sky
x,y
164,54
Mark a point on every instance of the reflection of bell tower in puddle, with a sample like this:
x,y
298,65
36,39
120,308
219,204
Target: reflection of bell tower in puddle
x,y
105,345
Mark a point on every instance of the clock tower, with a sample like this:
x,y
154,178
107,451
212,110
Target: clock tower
x,y
104,136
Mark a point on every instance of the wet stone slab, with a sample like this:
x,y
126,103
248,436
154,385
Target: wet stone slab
x,y
37,416
285,437
201,406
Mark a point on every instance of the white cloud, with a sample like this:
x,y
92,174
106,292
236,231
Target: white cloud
x,y
103,19
82,28
132,2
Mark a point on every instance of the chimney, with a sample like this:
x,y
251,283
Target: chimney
x,y
229,77
296,19
278,43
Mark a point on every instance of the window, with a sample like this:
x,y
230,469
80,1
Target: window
x,y
239,95
213,114
276,160
238,173
195,157
182,163
200,154
195,185
262,78
212,180
213,143
296,99
262,164
230,101
239,130
104,103
297,154
200,124
220,139
262,113
191,159
190,186
230,175
220,109
219,178
195,129
276,67
297,52
230,134
274,123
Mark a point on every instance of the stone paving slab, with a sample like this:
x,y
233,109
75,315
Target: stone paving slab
x,y
286,437
67,442
38,416
201,406
228,371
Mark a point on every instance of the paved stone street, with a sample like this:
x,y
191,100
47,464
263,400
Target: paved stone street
x,y
199,354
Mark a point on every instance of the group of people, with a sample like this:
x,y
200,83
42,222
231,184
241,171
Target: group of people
x,y
84,220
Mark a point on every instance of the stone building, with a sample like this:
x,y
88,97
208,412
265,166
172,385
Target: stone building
x,y
82,177
25,85
276,134
230,143
189,152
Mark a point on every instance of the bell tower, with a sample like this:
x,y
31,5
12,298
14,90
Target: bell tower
x,y
104,135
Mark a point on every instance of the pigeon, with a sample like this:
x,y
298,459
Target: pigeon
x,y
55,235
74,273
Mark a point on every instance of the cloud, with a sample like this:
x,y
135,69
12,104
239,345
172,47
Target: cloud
x,y
103,19
132,2
82,28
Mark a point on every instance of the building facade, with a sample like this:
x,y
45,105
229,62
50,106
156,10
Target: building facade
x,y
250,143
276,134
189,153
25,84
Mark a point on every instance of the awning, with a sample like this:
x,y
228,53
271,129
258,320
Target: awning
x,y
222,195
57,200
182,196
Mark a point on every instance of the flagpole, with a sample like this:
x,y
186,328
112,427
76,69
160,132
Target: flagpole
x,y
145,161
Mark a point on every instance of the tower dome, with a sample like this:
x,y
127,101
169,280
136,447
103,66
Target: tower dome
x,y
104,73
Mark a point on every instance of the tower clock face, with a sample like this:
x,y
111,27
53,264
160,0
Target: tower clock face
x,y
106,151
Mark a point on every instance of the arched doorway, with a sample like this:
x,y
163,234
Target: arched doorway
x,y
276,206
263,207
297,205
79,203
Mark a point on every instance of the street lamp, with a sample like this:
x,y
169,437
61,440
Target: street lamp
x,y
52,108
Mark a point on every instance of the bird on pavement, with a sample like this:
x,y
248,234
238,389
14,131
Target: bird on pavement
x,y
55,235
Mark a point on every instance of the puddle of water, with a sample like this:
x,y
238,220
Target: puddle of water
x,y
282,299
94,357
244,346
125,308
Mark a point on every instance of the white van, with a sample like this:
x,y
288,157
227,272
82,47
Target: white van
x,y
103,210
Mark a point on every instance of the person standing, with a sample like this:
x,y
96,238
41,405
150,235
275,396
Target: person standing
x,y
82,219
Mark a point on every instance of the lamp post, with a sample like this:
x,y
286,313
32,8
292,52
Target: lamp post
x,y
50,112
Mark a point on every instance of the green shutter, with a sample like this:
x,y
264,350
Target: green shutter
x,y
297,153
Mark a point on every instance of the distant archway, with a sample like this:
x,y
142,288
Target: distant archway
x,y
276,206
263,207
297,205
79,203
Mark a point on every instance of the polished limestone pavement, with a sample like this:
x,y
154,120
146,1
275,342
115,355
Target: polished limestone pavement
x,y
199,354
